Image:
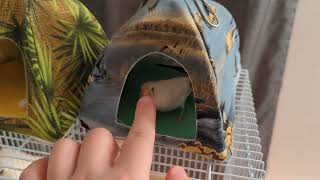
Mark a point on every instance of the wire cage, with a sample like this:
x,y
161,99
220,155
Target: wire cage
x,y
17,151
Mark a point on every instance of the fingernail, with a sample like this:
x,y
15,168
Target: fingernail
x,y
145,102
146,105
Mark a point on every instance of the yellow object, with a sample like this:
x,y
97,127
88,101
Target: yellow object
x,y
12,79
229,40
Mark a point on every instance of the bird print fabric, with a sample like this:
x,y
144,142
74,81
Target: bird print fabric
x,y
166,44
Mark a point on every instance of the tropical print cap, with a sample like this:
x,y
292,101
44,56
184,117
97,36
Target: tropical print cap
x,y
47,52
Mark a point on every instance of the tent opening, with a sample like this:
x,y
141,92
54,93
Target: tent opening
x,y
13,98
156,67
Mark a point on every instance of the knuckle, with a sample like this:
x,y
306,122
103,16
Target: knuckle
x,y
124,176
81,176
64,142
101,132
121,174
138,134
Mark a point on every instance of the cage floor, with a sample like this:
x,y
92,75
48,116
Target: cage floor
x,y
18,151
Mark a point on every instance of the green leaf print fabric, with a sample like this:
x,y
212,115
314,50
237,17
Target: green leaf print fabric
x,y
56,44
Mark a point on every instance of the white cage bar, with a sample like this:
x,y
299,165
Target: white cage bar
x,y
18,151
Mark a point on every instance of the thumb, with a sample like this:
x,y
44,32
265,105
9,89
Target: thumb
x,y
176,173
36,170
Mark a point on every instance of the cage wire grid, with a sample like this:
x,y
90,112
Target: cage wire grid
x,y
17,151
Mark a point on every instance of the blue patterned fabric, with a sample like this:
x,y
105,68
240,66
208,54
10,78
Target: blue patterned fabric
x,y
198,35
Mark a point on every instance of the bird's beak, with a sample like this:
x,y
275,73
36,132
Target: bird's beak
x,y
145,92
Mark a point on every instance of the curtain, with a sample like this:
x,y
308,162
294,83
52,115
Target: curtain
x,y
265,29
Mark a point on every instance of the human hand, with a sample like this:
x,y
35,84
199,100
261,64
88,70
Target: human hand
x,y
99,156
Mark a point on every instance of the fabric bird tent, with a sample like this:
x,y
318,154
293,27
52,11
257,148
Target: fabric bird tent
x,y
163,40
47,52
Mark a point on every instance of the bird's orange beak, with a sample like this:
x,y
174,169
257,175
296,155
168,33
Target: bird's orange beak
x,y
145,92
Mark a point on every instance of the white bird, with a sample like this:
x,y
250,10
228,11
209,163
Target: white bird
x,y
168,94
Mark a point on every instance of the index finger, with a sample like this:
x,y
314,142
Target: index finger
x,y
136,152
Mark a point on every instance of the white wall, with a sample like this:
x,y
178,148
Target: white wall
x,y
295,148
